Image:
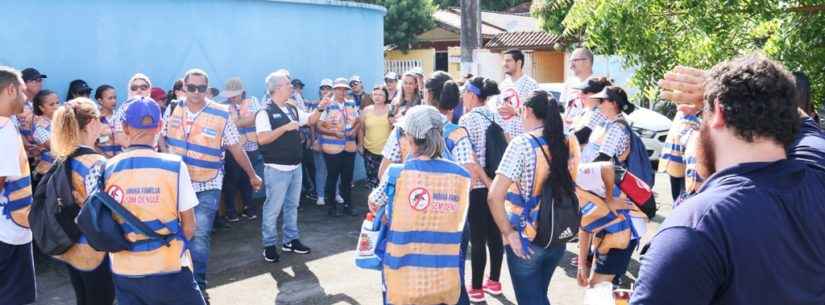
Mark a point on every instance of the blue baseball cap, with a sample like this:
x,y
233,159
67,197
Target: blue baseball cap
x,y
142,113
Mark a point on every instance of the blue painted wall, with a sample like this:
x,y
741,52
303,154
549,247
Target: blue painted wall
x,y
107,41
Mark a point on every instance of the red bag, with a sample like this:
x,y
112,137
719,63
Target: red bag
x,y
635,188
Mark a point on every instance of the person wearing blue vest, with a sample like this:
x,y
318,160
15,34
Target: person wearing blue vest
x,y
201,132
426,201
519,182
156,188
338,127
17,283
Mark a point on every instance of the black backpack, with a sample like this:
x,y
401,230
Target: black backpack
x,y
559,216
494,147
53,208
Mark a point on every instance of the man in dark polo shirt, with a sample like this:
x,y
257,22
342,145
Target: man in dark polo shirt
x,y
754,232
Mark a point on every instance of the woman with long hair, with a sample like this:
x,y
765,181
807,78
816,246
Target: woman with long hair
x,y
375,129
484,234
540,156
106,98
44,105
410,95
75,129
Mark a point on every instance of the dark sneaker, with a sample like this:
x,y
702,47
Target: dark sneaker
x,y
249,215
271,254
295,246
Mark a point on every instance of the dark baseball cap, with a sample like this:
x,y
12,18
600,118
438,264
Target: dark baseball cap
x,y
297,83
79,86
593,85
31,74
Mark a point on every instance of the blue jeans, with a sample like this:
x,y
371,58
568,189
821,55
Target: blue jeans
x,y
531,278
283,191
199,247
162,289
320,173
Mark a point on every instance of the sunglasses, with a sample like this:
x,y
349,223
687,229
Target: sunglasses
x,y
139,87
195,88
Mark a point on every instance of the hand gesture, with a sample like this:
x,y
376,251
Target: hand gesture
x,y
684,85
324,102
291,126
256,182
583,274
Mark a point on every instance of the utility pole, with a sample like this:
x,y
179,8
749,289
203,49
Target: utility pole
x,y
470,33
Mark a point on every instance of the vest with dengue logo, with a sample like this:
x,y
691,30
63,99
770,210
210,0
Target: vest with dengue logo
x,y
672,160
427,213
106,142
201,147
245,110
146,183
522,208
341,116
45,159
81,255
16,199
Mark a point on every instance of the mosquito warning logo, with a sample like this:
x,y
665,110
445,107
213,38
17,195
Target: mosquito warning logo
x,y
419,199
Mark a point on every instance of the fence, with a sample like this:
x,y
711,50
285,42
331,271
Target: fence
x,y
401,66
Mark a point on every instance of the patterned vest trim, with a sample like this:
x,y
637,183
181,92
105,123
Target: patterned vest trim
x,y
612,227
18,193
106,142
146,183
337,115
81,255
201,147
45,159
673,153
248,134
517,203
427,216
693,181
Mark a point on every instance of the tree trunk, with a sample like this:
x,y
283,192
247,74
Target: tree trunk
x,y
470,33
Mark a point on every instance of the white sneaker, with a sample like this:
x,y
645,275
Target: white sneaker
x,y
339,199
320,201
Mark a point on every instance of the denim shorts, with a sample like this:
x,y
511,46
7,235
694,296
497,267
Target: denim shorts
x,y
616,261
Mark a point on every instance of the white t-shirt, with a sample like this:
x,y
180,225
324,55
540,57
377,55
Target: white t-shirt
x,y
11,233
262,125
187,197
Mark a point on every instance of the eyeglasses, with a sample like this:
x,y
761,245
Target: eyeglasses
x,y
139,87
196,88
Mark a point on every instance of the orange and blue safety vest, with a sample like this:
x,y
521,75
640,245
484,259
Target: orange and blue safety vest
x,y
427,212
248,134
522,208
339,114
18,190
81,255
693,180
45,159
673,151
200,147
452,135
146,183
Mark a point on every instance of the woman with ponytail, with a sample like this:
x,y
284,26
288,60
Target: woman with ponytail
x,y
76,129
523,172
483,232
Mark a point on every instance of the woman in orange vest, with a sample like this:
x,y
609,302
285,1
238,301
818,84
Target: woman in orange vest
x,y
520,179
106,97
76,128
426,200
338,126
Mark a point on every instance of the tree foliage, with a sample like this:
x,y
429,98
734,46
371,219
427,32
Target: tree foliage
x,y
405,20
487,5
656,35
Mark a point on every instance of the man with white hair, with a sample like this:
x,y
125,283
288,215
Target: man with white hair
x,y
581,64
280,145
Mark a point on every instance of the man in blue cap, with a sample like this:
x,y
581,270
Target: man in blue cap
x,y
156,188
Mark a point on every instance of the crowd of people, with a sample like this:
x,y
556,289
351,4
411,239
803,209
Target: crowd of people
x,y
493,168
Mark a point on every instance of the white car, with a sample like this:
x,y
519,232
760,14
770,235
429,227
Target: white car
x,y
652,128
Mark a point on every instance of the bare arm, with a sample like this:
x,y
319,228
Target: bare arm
x,y
240,157
323,129
245,121
495,199
361,131
187,219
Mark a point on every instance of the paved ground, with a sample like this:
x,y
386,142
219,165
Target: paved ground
x,y
238,274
